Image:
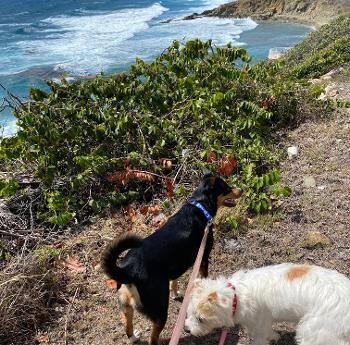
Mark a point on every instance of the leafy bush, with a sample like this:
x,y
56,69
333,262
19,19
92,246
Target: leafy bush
x,y
103,142
8,187
322,61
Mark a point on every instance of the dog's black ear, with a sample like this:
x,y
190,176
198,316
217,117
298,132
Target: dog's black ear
x,y
209,177
206,173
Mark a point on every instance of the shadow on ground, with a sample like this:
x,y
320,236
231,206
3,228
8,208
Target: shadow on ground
x,y
212,338
287,338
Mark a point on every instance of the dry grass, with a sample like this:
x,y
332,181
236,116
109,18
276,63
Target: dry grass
x,y
27,289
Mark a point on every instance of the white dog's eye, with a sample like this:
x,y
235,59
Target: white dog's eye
x,y
199,319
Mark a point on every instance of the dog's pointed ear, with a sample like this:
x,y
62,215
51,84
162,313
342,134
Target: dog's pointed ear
x,y
206,172
209,177
212,297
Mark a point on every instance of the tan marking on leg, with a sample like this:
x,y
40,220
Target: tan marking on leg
x,y
174,286
128,299
297,272
129,326
127,310
157,328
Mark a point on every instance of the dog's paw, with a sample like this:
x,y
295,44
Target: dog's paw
x,y
274,337
135,337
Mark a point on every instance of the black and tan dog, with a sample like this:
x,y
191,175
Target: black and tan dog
x,y
144,273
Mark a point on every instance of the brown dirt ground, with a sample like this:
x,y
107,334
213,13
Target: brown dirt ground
x,y
87,312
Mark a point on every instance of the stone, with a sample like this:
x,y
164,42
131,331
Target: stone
x,y
309,182
314,239
333,93
292,151
232,245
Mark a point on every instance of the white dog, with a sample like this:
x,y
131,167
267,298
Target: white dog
x,y
315,297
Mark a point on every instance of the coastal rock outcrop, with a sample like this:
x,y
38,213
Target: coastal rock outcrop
x,y
315,12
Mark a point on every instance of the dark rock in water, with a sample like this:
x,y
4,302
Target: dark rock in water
x,y
192,16
43,72
166,21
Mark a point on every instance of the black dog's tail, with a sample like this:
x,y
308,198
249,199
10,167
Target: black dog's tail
x,y
111,254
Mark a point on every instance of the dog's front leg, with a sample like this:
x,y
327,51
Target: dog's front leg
x,y
203,270
261,331
157,327
261,337
273,336
156,304
174,289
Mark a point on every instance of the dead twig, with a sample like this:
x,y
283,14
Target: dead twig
x,y
68,315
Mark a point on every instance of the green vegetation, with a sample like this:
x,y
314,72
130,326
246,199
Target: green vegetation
x,y
112,140
45,256
8,187
4,253
322,50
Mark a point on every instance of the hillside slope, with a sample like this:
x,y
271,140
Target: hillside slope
x,y
92,314
315,12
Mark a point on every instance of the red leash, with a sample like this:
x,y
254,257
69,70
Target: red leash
x,y
182,314
234,307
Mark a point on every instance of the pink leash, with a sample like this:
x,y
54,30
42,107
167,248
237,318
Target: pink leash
x,y
182,314
223,336
175,337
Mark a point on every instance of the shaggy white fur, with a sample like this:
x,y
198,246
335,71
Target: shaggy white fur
x,y
315,297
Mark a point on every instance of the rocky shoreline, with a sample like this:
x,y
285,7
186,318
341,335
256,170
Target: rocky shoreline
x,y
308,12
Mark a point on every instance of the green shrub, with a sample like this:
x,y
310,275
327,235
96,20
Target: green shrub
x,y
8,187
318,40
324,60
98,143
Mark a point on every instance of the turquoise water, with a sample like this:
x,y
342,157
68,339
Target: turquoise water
x,y
43,39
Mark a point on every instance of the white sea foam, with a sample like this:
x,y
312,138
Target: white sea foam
x,y
95,41
210,4
88,43
221,31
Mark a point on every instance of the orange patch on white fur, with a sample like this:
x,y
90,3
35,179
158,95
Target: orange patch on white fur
x,y
205,308
297,272
213,297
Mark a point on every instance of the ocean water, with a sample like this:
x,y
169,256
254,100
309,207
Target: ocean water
x,y
43,39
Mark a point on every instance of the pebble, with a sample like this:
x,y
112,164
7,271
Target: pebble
x,y
232,245
314,239
309,182
292,151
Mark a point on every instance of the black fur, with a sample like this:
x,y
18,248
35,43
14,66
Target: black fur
x,y
113,251
167,253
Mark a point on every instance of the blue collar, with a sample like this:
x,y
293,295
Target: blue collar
x,y
203,209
